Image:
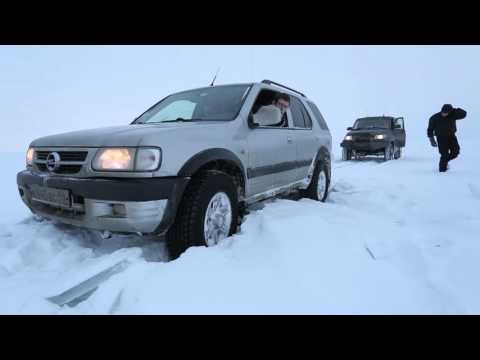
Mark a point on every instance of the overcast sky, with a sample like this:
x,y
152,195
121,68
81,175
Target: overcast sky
x,y
51,89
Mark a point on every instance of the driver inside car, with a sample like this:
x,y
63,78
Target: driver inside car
x,y
281,102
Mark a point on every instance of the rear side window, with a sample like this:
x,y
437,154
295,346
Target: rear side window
x,y
318,116
301,119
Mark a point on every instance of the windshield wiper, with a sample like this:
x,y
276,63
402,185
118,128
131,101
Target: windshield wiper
x,y
179,120
168,121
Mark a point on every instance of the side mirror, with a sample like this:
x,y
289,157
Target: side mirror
x,y
267,116
349,128
251,122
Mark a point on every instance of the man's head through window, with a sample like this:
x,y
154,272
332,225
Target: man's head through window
x,y
282,101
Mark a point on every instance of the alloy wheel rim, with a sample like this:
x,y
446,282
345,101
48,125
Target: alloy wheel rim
x,y
218,219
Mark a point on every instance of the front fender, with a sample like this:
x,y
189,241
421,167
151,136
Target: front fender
x,y
206,156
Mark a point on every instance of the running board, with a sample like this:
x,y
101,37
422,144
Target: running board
x,y
275,191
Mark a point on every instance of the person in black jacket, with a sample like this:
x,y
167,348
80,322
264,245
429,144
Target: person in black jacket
x,y
444,126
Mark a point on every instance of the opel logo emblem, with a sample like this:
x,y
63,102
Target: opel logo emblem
x,y
53,161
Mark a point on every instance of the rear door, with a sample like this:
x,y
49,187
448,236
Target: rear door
x,y
399,131
307,143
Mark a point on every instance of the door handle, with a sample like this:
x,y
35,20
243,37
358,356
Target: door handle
x,y
289,139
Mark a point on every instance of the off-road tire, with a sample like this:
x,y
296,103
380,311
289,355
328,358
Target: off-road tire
x,y
388,152
188,227
398,153
346,154
311,191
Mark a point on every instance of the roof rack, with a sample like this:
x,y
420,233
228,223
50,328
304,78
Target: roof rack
x,y
270,82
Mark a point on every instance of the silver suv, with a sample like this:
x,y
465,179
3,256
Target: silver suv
x,y
187,168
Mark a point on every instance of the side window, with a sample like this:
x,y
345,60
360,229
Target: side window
x,y
301,119
318,116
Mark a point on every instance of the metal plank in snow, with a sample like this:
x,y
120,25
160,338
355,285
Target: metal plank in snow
x,y
82,291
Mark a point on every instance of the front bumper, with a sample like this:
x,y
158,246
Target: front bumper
x,y
372,146
113,204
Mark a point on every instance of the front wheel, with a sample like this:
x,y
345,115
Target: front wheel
x,y
398,153
388,152
346,154
318,188
208,213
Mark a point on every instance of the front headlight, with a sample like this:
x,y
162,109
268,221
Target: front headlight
x,y
127,159
348,137
114,159
30,154
379,137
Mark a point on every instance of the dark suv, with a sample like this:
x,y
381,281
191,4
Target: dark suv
x,y
378,135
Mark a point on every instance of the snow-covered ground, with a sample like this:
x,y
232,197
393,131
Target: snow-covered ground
x,y
393,238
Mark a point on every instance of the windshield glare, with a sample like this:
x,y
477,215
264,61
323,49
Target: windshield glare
x,y
370,123
215,103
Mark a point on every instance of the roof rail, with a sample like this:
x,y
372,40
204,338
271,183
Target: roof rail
x,y
270,82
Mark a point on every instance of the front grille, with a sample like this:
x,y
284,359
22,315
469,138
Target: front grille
x,y
361,138
71,162
64,155
41,155
63,169
68,169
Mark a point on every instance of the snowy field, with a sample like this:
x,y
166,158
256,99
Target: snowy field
x,y
393,238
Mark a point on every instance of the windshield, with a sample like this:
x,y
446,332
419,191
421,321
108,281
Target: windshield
x,y
215,103
371,123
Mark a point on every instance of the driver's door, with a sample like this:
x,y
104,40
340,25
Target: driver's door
x,y
399,131
271,157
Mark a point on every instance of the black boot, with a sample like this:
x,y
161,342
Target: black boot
x,y
443,165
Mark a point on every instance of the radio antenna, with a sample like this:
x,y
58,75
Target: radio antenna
x,y
215,77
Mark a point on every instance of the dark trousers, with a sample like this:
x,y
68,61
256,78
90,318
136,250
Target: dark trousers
x,y
449,150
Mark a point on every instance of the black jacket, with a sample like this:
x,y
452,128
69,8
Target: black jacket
x,y
445,126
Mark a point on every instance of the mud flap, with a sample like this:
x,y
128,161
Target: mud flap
x,y
82,291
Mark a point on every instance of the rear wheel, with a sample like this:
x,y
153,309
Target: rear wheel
x,y
208,213
318,188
